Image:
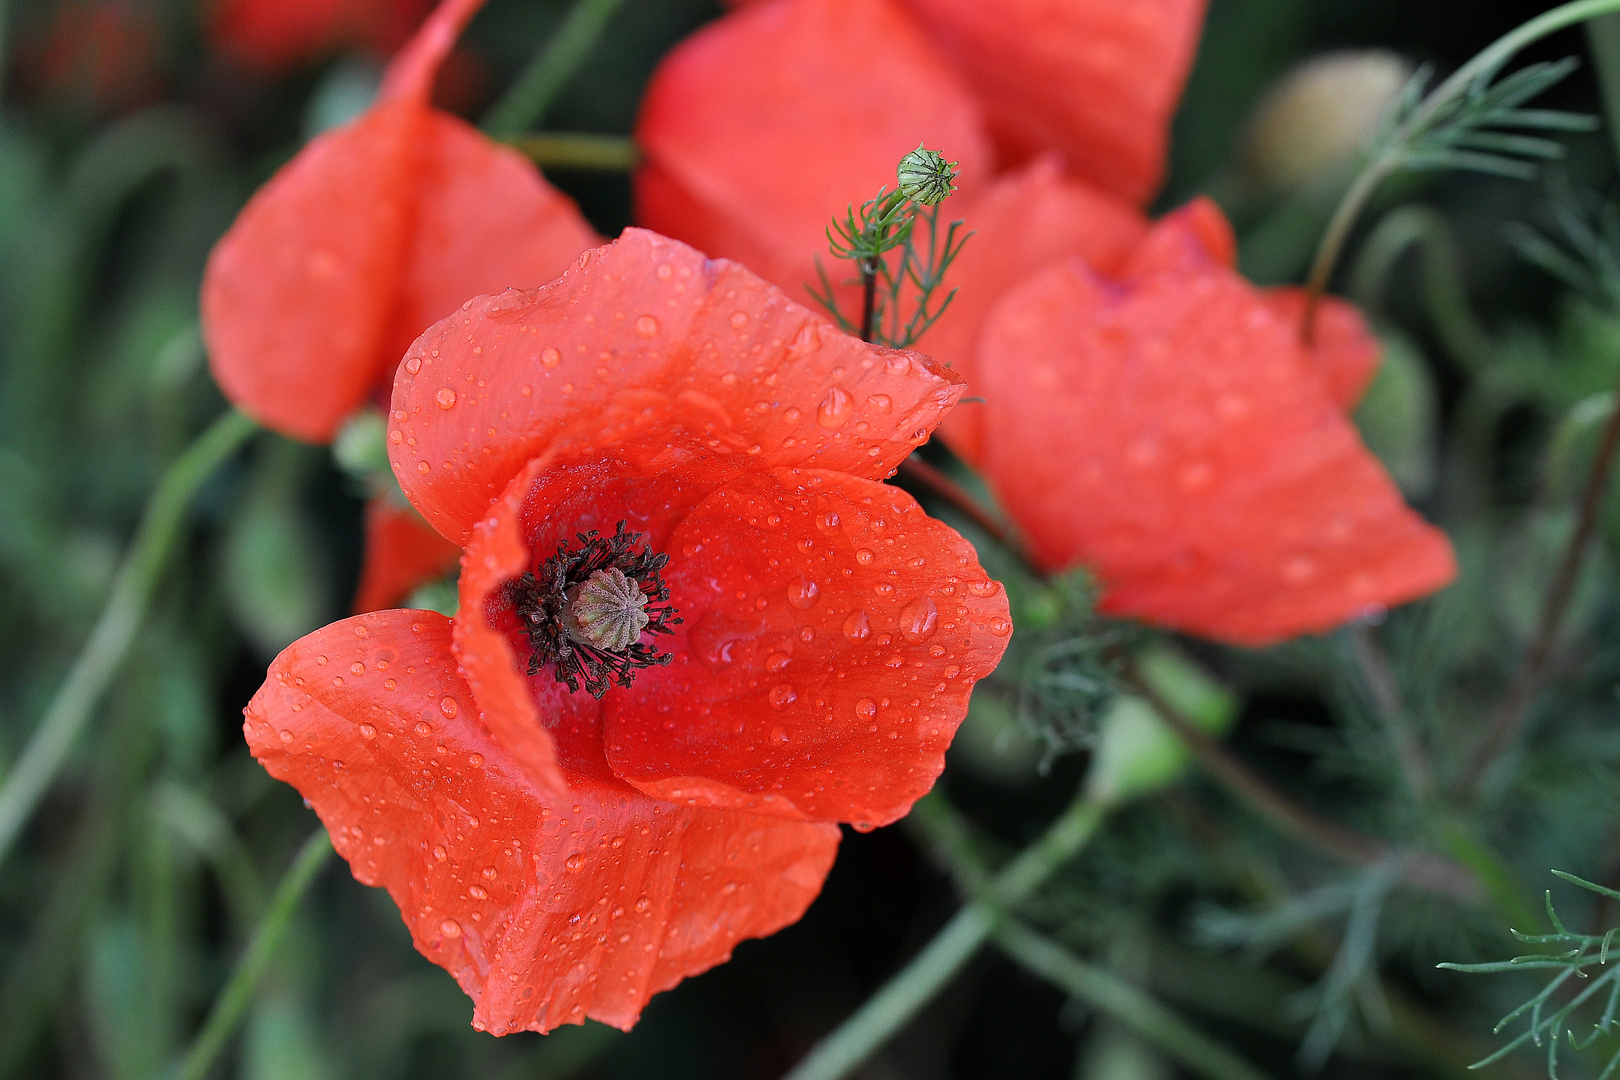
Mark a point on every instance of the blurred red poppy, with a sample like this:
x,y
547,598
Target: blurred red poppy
x,y
100,54
695,630
362,241
402,552
274,35
1164,426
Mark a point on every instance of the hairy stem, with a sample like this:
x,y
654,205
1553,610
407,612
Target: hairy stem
x,y
904,995
1254,791
1130,1005
1510,716
577,150
48,747
869,273
1387,159
526,100
232,1003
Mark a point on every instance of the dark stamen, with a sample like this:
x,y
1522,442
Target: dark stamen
x,y
546,600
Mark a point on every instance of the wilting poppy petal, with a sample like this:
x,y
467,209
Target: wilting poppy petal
x,y
482,393
832,634
546,909
1097,80
1020,223
762,126
368,235
402,553
1170,432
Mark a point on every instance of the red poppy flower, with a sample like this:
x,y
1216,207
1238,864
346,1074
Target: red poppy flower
x,y
105,54
274,35
1165,427
694,631
756,130
360,243
1095,80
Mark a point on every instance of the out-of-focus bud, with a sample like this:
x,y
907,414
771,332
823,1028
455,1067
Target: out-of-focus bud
x,y
1317,115
1136,753
925,176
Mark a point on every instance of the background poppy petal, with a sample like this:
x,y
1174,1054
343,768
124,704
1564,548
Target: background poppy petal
x,y
832,634
1171,434
1097,80
410,76
546,909
1344,350
402,552
775,118
297,295
1020,223
647,326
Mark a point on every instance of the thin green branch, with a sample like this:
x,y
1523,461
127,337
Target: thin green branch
x,y
537,86
578,150
232,1003
1130,1005
916,984
1435,109
50,743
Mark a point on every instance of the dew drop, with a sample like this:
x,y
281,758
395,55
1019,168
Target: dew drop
x,y
1000,626
984,588
321,660
357,668
446,398
422,466
834,409
550,358
918,620
857,627
389,684
439,852
775,662
779,736
643,904
413,365
477,892
782,695
475,760
367,731
647,326
864,556
422,729
449,707
866,708
574,862
286,736
450,928
880,402
489,873
802,593
739,319
828,521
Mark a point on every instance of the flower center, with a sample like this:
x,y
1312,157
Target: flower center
x,y
585,609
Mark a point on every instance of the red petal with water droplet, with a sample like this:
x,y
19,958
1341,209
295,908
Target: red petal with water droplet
x,y
647,333
1343,349
366,237
1097,80
402,553
1169,431
546,909
832,634
1020,223
765,124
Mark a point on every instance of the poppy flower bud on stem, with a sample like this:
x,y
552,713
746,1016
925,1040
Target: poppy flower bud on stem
x,y
925,176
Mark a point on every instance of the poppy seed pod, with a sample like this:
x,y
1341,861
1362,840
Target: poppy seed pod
x,y
925,176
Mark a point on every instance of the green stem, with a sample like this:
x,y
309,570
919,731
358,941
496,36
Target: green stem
x,y
527,99
50,743
916,984
1131,1006
577,150
1386,160
233,1000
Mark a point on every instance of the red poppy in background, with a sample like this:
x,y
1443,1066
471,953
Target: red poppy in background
x,y
1164,426
367,237
695,630
274,35
105,54
1094,81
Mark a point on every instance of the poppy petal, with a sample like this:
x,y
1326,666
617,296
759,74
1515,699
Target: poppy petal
x,y
767,123
1170,433
1344,350
832,634
402,552
546,909
647,327
1020,223
411,73
1097,80
297,294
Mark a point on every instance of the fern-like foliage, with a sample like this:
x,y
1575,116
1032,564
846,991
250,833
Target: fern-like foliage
x,y
1551,1014
1582,247
1483,128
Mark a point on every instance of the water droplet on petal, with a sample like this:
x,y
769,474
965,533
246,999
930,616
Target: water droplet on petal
x,y
866,708
802,593
835,408
367,731
422,729
739,319
450,928
286,736
574,862
413,365
984,588
449,707
439,852
1000,626
446,398
779,736
782,695
918,620
857,627
647,326
551,357
864,556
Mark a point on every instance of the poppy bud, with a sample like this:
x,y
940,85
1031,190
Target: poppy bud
x,y
925,176
1318,114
